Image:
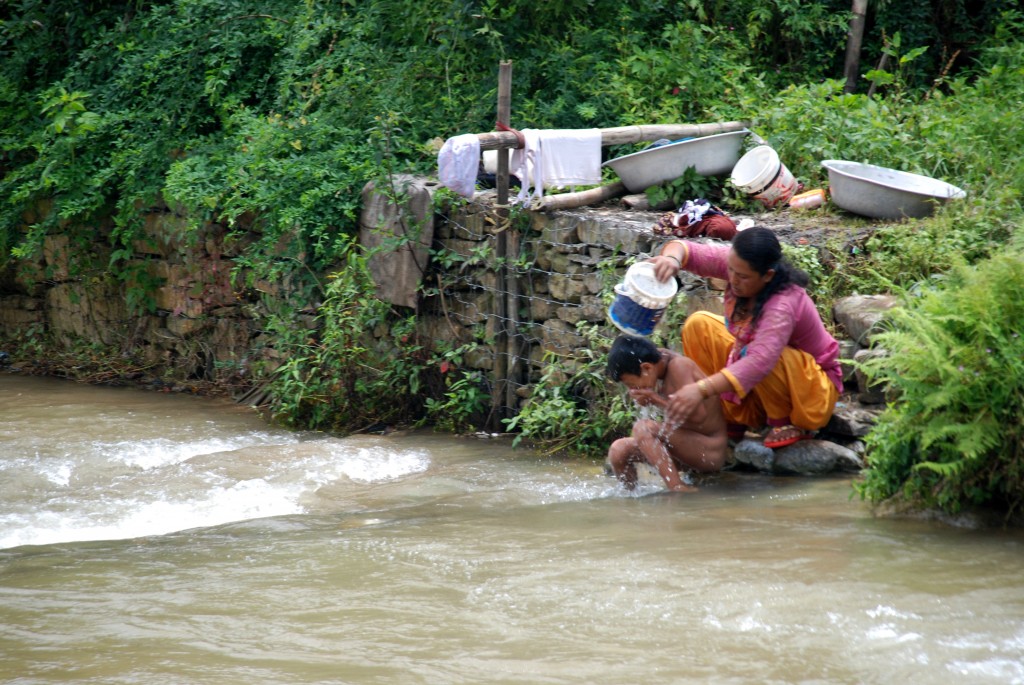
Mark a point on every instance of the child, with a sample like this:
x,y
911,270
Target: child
x,y
652,374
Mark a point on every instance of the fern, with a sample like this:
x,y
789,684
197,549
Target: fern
x,y
956,364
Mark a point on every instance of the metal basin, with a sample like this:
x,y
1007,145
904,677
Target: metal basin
x,y
709,155
882,193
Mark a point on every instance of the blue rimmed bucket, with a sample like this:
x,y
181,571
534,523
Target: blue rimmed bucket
x,y
640,300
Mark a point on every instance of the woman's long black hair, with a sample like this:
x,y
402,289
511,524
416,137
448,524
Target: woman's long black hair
x,y
760,248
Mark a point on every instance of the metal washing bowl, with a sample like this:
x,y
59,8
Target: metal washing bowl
x,y
709,155
882,193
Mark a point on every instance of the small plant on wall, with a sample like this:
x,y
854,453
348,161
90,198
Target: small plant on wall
x,y
573,408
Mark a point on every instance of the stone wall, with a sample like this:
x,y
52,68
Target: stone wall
x,y
197,321
523,309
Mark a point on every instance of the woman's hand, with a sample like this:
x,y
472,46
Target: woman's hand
x,y
665,267
683,402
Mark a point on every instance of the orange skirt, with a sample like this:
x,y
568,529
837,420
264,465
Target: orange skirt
x,y
795,392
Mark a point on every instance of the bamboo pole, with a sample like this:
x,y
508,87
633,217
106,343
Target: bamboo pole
x,y
501,336
620,135
550,203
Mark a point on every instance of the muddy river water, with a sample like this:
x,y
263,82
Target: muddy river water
x,y
150,538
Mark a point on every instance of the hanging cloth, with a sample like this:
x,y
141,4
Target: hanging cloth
x,y
458,163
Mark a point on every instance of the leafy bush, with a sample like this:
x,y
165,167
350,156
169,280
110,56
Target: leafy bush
x,y
954,435
336,375
574,408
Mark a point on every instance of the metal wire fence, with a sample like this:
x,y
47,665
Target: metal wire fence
x,y
534,288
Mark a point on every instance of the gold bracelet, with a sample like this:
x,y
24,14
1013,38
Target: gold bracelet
x,y
702,385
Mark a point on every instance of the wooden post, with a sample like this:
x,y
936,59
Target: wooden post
x,y
854,39
501,333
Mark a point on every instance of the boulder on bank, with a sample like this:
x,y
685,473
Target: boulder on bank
x,y
804,458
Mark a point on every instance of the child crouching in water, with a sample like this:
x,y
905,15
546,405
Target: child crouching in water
x,y
652,374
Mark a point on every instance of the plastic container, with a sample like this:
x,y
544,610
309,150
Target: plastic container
x,y
640,300
812,199
762,174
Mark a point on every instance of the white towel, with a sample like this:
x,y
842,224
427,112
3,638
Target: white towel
x,y
556,159
571,157
458,163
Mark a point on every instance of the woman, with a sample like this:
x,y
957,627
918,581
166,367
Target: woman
x,y
770,360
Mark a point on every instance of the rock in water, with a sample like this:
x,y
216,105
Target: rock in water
x,y
754,453
816,457
805,458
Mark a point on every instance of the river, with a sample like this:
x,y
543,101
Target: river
x,y
153,538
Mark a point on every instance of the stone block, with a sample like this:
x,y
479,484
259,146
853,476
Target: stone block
x,y
543,255
469,308
176,299
621,238
481,358
29,277
560,338
462,225
704,300
852,420
184,326
567,288
860,315
804,458
467,249
542,308
847,348
870,393
56,256
594,283
592,309
815,457
231,340
572,264
163,234
19,312
555,228
94,311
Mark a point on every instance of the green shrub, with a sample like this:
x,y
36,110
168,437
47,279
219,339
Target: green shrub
x,y
574,409
954,435
336,374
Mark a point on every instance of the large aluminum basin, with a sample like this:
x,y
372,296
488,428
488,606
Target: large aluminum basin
x,y
709,155
882,193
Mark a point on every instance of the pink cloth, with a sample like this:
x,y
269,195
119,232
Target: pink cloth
x,y
789,318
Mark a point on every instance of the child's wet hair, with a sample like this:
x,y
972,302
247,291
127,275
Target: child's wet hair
x,y
628,353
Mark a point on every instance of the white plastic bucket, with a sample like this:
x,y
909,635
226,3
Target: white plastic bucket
x,y
640,300
762,174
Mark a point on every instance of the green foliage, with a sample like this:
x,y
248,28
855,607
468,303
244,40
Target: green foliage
x,y
821,286
465,396
334,374
359,364
954,437
689,186
574,408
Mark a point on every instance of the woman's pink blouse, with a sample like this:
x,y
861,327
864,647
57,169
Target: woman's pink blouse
x,y
788,318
